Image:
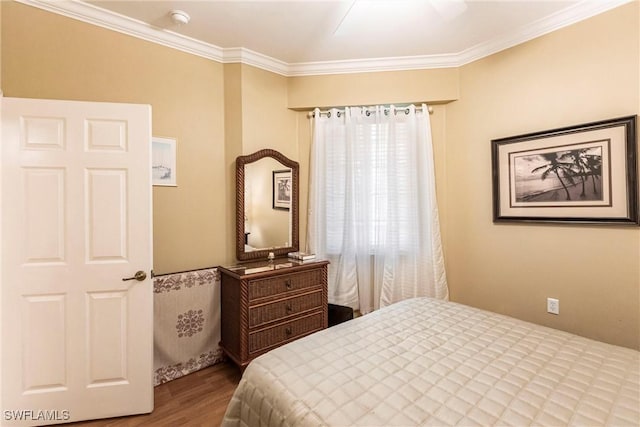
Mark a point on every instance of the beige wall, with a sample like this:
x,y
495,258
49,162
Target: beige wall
x,y
267,122
586,72
261,117
233,149
49,56
391,87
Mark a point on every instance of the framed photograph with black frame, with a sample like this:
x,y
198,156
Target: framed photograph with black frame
x,y
577,174
282,189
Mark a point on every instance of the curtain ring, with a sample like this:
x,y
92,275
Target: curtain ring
x,y
386,112
328,114
406,112
338,114
367,113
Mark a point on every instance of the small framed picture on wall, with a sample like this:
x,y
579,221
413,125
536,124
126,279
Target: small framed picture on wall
x,y
163,162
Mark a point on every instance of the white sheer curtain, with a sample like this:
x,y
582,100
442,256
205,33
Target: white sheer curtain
x,y
372,206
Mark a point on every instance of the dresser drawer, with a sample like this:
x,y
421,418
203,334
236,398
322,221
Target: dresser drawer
x,y
266,313
267,304
279,334
263,288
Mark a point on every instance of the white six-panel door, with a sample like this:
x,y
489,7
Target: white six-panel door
x,y
77,340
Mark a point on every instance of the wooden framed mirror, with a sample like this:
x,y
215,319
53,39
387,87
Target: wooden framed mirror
x,y
267,194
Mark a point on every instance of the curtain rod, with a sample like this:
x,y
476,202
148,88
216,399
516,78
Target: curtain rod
x,y
341,111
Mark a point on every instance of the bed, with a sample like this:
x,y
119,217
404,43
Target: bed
x,y
431,362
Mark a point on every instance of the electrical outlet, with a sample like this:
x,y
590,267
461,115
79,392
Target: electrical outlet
x,y
553,306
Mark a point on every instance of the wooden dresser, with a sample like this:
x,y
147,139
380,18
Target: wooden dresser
x,y
267,304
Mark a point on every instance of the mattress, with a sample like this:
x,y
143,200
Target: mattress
x,y
431,362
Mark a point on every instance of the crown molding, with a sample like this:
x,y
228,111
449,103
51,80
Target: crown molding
x,y
398,63
578,12
256,59
94,15
572,15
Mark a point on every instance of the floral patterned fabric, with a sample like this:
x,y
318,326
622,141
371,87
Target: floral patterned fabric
x,y
186,323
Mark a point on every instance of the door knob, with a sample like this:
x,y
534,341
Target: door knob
x,y
139,276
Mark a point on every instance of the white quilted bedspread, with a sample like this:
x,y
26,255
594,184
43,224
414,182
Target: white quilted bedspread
x,y
436,363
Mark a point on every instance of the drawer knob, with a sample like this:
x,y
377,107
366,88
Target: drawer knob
x,y
288,331
287,283
288,308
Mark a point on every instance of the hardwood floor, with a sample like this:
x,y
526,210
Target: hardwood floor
x,y
198,399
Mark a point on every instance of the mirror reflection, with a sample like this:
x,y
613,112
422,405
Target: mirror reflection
x,y
267,200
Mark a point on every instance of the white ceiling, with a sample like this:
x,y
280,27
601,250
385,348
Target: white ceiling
x,y
317,37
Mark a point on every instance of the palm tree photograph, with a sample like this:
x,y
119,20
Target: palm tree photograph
x,y
586,173
572,173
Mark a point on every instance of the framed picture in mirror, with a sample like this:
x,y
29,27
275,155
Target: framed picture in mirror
x,y
282,189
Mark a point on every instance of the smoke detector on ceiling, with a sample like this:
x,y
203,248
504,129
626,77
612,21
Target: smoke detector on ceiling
x,y
180,17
